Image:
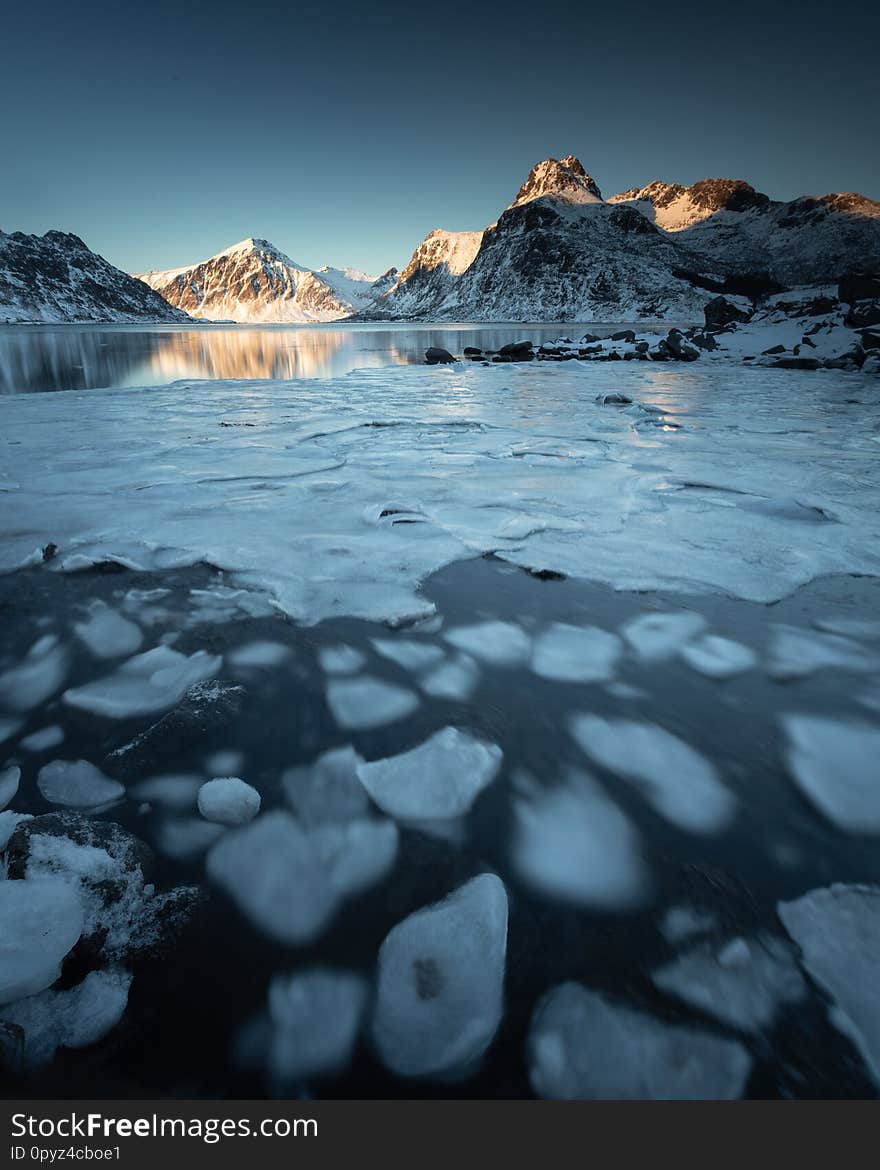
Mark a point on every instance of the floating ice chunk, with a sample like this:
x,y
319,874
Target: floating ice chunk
x,y
177,791
260,654
655,636
44,739
835,765
455,679
40,920
9,778
851,627
146,684
838,932
795,653
367,702
8,728
107,634
224,763
290,881
340,659
440,987
328,790
743,983
77,784
438,780
575,653
37,678
583,1046
227,800
182,838
571,842
73,1018
316,1016
409,653
680,923
675,779
9,822
499,643
718,657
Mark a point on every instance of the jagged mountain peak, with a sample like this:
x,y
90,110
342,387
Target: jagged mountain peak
x,y
563,179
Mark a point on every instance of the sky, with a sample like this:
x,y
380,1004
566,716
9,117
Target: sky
x,y
343,132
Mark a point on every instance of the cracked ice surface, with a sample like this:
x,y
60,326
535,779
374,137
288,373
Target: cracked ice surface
x,y
346,494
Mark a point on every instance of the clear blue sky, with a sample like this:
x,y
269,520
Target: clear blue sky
x,y
343,132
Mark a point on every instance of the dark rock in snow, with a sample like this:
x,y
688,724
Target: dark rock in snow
x,y
205,707
870,339
858,286
435,356
515,348
773,349
613,398
624,335
720,312
863,313
796,363
471,350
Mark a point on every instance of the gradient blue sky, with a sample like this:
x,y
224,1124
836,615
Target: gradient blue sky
x,y
344,132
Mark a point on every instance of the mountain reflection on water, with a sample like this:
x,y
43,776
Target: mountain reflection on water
x,y
86,357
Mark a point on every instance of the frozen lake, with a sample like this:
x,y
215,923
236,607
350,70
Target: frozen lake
x,y
85,357
605,678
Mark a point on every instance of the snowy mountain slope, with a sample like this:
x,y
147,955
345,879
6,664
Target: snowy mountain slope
x,y
255,282
728,222
558,252
57,278
562,252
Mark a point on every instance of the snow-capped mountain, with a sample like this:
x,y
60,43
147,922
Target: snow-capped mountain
x,y
57,278
562,252
727,222
255,282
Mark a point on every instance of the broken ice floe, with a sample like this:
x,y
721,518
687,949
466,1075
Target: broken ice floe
x,y
315,1017
718,657
107,634
9,778
340,659
569,653
228,800
77,784
838,932
795,653
498,643
438,780
73,1018
8,728
184,837
673,777
259,654
289,880
583,1046
146,684
656,636
836,765
455,679
409,653
361,704
680,923
37,678
44,739
327,790
570,841
40,921
440,991
742,982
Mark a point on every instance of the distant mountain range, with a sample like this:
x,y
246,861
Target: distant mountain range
x,y
558,252
254,282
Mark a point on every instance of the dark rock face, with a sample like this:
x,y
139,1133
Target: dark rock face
x,y
205,707
863,313
870,339
721,312
562,178
858,286
55,277
727,195
434,356
796,363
